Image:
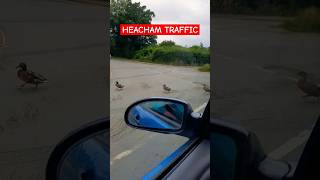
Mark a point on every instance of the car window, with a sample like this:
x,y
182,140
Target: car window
x,y
153,66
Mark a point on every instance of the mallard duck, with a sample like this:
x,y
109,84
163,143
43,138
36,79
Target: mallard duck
x,y
206,88
308,87
119,86
29,77
166,88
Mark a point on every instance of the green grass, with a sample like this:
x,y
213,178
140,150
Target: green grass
x,y
204,68
307,20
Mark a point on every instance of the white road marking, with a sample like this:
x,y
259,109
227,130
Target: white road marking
x,y
130,151
122,155
290,145
200,107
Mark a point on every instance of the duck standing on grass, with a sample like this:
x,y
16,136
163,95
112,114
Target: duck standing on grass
x,y
119,86
29,77
308,87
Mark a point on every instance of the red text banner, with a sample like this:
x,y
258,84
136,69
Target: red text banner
x,y
159,29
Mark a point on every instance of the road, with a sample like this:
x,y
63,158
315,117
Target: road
x,y
135,152
64,44
255,66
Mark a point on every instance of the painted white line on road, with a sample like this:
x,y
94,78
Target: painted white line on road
x,y
122,155
290,145
130,151
200,107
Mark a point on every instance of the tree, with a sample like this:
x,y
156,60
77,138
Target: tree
x,y
126,12
167,43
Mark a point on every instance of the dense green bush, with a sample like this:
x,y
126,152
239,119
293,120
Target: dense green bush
x,y
174,54
167,43
307,20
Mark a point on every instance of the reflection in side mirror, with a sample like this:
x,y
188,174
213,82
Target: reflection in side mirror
x,y
87,160
162,114
84,154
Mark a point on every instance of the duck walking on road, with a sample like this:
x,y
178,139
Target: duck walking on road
x,y
166,88
119,86
206,88
311,89
29,77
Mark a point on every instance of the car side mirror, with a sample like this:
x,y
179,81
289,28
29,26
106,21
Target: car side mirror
x,y
165,115
235,152
84,154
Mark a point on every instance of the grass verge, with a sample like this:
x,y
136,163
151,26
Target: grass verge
x,y
308,20
204,68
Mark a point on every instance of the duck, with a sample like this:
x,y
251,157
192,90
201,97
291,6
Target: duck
x,y
311,89
119,86
166,88
29,77
206,88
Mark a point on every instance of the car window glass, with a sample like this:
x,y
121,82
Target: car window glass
x,y
154,66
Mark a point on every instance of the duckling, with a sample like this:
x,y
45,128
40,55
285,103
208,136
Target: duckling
x,y
166,88
206,88
119,86
309,88
29,77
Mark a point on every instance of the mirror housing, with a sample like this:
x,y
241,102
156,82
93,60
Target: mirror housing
x,y
83,153
248,153
248,160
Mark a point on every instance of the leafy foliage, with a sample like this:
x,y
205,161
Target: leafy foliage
x,y
204,68
307,20
174,54
127,12
167,43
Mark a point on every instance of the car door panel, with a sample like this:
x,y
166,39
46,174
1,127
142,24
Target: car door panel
x,y
195,166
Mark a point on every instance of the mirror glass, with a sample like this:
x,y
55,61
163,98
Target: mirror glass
x,y
87,160
157,114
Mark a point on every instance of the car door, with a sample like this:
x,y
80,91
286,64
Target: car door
x,y
236,154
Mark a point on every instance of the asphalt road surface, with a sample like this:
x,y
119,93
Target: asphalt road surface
x,y
255,66
61,41
135,152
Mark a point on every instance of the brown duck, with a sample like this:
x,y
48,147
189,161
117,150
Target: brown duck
x,y
206,88
29,77
119,86
308,87
166,88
